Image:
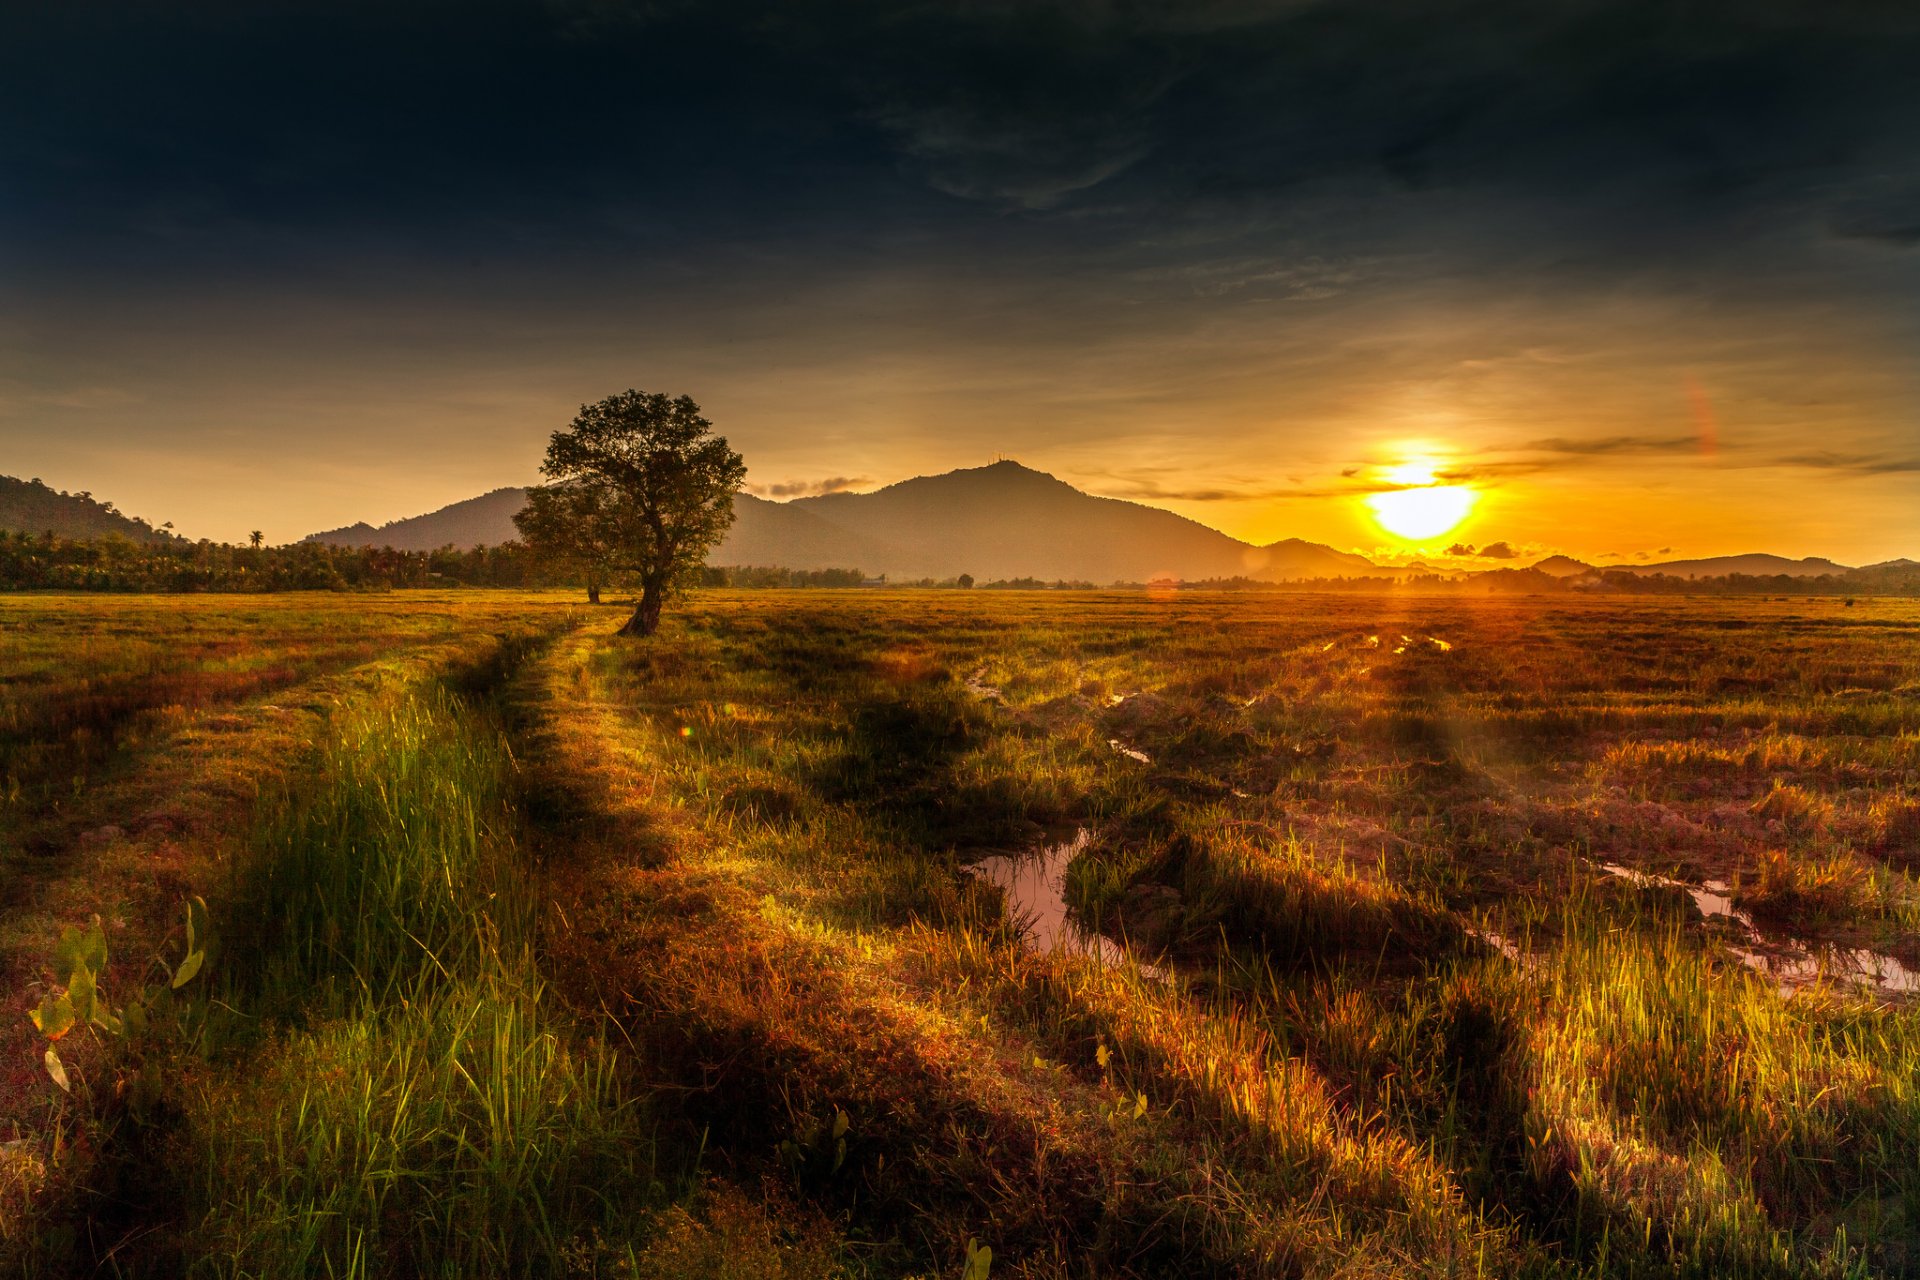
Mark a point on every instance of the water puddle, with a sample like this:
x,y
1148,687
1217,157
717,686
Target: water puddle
x,y
1712,897
1035,883
1835,964
1790,967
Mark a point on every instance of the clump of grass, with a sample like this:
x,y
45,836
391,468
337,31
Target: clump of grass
x,y
1810,891
1304,908
1691,1103
733,1237
1894,821
454,1137
1795,808
393,861
424,1113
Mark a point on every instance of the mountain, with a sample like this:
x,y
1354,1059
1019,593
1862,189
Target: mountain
x,y
1008,521
1753,565
785,535
28,506
1297,558
999,521
995,522
485,521
1561,567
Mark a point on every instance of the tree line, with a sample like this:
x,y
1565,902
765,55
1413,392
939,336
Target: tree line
x,y
43,562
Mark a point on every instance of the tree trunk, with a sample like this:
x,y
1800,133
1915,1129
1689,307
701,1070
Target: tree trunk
x,y
593,589
646,618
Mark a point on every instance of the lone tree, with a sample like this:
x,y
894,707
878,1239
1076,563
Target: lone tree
x,y
661,481
568,524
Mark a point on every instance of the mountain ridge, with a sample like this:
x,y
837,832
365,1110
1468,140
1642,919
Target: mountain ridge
x,y
31,506
1000,521
1006,521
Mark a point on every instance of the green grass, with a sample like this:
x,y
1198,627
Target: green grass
x,y
389,868
419,1108
534,947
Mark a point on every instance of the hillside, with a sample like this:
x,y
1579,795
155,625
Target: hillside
x,y
1559,567
1752,565
29,506
1000,521
485,521
1008,521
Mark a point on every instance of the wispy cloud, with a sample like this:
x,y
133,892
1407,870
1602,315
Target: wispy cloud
x,y
1601,446
1862,464
808,488
1150,491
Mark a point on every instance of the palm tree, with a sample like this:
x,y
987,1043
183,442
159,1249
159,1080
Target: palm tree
x,y
256,538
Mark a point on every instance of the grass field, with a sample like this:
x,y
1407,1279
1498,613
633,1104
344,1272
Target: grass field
x,y
1404,936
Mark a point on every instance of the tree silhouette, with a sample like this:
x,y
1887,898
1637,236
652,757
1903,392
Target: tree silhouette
x,y
662,484
570,525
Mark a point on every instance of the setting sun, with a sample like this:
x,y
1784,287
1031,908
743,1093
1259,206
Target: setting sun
x,y
1423,509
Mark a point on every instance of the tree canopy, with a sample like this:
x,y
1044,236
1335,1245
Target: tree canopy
x,y
639,483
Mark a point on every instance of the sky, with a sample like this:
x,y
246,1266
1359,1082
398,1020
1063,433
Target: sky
x,y
1641,276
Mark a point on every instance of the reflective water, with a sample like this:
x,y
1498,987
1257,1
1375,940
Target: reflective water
x,y
1035,883
1788,965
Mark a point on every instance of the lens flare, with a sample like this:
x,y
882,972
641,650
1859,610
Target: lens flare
x,y
1421,509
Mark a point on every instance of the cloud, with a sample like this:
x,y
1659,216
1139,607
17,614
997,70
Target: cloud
x,y
1492,551
1861,464
1600,446
1139,490
1885,212
808,488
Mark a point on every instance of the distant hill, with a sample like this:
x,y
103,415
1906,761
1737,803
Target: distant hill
x,y
1000,521
1561,567
485,521
1009,521
28,506
1302,559
1753,565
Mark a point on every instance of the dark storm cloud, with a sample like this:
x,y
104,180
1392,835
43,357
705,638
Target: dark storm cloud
x,y
523,129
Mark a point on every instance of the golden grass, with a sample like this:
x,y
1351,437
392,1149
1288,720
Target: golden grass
x,y
754,833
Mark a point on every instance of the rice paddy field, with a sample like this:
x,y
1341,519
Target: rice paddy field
x,y
960,934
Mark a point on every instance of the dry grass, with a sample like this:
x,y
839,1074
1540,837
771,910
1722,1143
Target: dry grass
x,y
1410,1028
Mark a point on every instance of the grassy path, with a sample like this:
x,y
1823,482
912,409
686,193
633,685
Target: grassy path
x,y
784,972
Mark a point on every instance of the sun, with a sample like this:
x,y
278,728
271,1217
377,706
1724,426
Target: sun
x,y
1421,509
